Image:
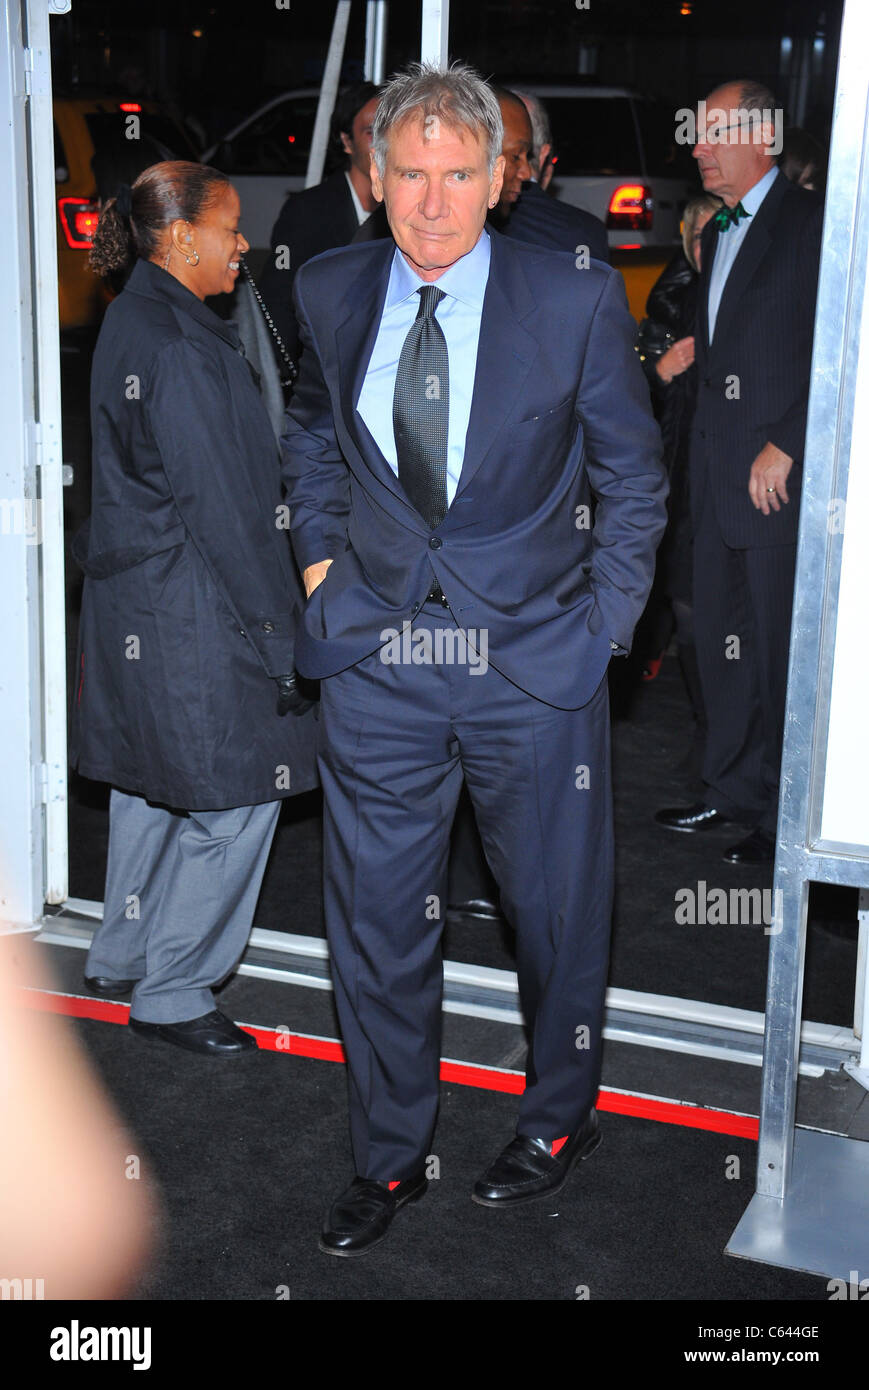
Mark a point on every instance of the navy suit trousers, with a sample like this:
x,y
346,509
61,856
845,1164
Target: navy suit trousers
x,y
397,737
743,601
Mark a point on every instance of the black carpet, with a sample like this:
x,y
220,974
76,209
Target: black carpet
x,y
249,1153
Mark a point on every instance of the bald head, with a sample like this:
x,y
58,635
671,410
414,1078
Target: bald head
x,y
516,149
736,139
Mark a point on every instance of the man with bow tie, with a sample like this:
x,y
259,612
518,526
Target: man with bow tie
x,y
476,496
753,351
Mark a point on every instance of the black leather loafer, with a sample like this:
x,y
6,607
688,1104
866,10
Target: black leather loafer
x,y
109,989
214,1034
756,848
362,1215
528,1169
689,818
478,907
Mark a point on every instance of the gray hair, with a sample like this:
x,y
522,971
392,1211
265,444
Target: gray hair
x,y
457,95
541,131
754,96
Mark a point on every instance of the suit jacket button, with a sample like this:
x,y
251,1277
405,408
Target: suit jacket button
x,y
268,627
707,381
435,543
241,632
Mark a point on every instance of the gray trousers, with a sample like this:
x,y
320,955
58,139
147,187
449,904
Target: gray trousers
x,y
181,889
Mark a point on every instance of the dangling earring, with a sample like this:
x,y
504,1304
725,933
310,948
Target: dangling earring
x,y
166,262
192,262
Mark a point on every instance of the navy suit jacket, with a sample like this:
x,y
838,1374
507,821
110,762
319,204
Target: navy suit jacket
x,y
547,221
753,380
561,434
309,222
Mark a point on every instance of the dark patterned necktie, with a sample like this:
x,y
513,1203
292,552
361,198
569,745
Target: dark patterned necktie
x,y
421,411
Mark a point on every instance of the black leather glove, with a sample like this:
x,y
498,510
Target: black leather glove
x,y
290,697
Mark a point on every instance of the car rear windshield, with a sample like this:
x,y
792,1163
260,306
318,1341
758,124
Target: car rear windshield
x,y
598,135
593,135
664,157
275,142
108,129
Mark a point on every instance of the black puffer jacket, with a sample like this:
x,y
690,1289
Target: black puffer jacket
x,y
671,310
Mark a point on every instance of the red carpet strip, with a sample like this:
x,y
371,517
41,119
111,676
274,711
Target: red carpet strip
x,y
664,1111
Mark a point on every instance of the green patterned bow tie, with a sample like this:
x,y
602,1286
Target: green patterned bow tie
x,y
725,217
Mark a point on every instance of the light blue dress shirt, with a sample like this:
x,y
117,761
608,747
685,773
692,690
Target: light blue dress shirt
x,y
730,241
459,315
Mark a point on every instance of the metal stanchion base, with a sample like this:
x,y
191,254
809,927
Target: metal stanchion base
x,y
822,1225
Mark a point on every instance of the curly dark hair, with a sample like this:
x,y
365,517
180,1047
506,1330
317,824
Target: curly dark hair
x,y
163,193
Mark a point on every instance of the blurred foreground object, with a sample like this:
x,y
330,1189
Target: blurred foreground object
x,y
73,1213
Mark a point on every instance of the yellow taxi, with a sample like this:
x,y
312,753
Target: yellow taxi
x,y
93,134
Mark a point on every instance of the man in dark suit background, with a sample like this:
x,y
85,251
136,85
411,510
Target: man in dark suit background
x,y
463,400
753,344
524,209
325,216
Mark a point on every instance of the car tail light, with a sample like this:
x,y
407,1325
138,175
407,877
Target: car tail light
x,y
631,208
78,218
129,106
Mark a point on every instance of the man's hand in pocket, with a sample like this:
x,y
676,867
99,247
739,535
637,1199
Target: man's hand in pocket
x,y
314,575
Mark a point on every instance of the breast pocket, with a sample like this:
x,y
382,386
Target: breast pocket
x,y
545,416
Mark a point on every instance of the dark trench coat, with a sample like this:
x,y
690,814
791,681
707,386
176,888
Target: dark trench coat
x,y
191,594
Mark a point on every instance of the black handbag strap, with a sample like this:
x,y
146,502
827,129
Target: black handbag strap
x,y
291,371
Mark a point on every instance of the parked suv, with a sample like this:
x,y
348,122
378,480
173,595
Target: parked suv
x,y
266,156
616,156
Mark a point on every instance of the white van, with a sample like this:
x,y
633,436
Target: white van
x,y
615,153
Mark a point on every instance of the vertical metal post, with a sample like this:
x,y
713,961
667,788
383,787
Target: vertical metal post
x,y
781,1043
328,93
810,1210
31,543
376,16
860,1069
435,44
49,448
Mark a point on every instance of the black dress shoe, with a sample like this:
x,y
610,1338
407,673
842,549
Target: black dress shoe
x,y
362,1215
756,848
527,1168
109,989
478,907
696,817
213,1033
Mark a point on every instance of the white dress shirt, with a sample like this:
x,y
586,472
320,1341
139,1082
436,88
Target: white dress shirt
x,y
361,214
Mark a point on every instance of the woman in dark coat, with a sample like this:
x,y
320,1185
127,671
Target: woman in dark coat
x,y
185,664
665,343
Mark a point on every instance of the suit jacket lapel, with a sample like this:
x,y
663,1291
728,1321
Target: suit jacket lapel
x,y
355,338
752,251
708,247
505,355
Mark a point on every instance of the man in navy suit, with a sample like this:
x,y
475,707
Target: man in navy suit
x,y
524,210
753,345
476,495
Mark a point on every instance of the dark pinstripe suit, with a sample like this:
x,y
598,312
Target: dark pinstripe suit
x,y
753,384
